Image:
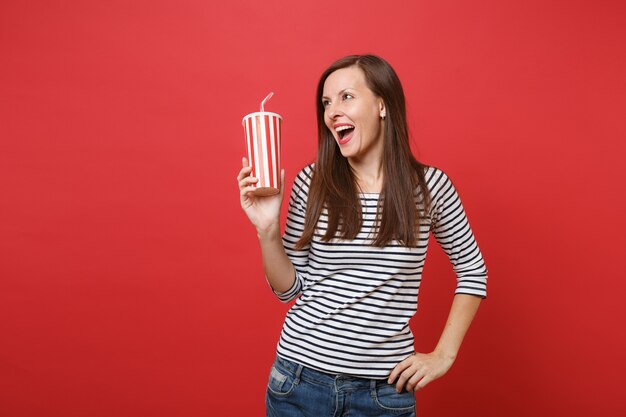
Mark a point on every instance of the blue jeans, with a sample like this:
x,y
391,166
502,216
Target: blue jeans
x,y
296,391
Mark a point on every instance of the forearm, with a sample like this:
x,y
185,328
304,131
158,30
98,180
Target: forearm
x,y
278,269
462,312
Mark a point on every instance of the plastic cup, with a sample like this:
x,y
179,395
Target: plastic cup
x,y
263,132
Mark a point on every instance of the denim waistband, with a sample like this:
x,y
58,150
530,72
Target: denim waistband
x,y
344,382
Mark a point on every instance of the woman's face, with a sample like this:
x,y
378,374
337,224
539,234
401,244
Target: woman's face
x,y
353,114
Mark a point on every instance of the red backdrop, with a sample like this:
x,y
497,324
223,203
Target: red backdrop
x,y
130,279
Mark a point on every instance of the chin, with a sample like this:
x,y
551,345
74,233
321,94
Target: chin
x,y
345,152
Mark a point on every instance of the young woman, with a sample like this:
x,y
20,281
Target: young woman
x,y
353,253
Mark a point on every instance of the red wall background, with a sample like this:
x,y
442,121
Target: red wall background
x,y
130,279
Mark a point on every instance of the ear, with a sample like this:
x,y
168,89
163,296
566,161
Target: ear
x,y
381,109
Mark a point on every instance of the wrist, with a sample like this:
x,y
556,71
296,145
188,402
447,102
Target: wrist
x,y
446,354
270,232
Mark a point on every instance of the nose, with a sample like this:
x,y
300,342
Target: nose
x,y
333,111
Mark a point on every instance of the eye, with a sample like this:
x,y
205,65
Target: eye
x,y
325,103
347,96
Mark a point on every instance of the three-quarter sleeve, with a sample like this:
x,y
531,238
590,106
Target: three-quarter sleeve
x,y
453,233
293,231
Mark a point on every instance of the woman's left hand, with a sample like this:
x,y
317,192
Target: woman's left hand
x,y
418,370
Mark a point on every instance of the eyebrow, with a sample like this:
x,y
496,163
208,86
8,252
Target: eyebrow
x,y
341,92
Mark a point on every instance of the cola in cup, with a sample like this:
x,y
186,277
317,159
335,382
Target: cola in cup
x,y
263,131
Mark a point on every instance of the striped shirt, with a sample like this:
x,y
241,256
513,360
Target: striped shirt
x,y
355,300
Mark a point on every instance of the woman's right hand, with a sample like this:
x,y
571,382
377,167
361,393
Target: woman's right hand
x,y
263,212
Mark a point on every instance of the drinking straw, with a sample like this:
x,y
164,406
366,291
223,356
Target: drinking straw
x,y
265,100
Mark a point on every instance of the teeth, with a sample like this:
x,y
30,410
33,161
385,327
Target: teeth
x,y
340,128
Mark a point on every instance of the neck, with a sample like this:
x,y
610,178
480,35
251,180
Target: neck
x,y
369,175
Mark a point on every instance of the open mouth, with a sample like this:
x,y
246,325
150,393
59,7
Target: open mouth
x,y
344,132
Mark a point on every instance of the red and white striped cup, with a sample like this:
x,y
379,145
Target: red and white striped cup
x,y
263,131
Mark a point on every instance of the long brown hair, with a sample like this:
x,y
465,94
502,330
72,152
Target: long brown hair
x,y
333,184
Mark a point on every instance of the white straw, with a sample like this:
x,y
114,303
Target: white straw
x,y
266,99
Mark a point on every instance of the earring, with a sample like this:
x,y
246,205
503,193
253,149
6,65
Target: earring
x,y
382,116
